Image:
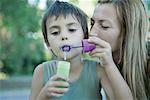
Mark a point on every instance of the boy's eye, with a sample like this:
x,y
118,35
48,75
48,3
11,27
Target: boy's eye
x,y
72,30
55,33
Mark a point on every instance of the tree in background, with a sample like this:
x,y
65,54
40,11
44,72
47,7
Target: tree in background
x,y
21,47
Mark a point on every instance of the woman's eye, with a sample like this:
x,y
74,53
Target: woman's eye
x,y
55,33
105,27
72,30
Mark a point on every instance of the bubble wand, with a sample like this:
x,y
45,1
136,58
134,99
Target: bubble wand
x,y
85,45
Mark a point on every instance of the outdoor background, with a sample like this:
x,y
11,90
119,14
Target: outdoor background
x,y
22,46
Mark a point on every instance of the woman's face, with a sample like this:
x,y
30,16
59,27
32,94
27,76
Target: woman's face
x,y
105,25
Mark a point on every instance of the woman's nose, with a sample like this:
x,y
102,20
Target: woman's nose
x,y
93,32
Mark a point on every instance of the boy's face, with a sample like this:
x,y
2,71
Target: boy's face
x,y
64,31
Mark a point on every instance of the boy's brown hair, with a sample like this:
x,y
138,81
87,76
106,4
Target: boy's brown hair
x,y
59,8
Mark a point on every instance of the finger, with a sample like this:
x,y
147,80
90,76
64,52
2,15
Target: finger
x,y
99,55
97,50
58,83
57,77
56,94
99,42
101,58
68,80
57,90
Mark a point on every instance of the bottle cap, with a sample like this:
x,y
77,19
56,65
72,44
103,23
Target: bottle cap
x,y
87,46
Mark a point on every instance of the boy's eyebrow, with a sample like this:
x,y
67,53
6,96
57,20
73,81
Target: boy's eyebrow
x,y
51,27
69,24
72,23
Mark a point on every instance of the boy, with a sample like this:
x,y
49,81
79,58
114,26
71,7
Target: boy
x,y
64,24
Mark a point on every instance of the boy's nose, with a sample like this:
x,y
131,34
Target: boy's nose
x,y
64,35
64,38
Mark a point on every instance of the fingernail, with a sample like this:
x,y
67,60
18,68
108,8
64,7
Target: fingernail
x,y
89,40
68,80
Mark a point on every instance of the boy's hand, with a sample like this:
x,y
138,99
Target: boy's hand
x,y
55,87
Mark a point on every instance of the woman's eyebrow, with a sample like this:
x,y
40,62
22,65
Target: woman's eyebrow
x,y
101,20
104,20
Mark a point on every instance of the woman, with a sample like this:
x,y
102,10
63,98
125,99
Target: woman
x,y
119,28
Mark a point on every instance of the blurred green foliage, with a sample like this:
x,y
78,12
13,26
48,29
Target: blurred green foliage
x,y
148,5
21,47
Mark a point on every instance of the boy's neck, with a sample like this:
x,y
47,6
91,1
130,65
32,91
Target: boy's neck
x,y
76,63
76,67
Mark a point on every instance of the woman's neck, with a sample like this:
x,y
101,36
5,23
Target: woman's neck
x,y
116,56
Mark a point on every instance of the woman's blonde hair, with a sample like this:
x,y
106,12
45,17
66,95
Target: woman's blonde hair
x,y
134,26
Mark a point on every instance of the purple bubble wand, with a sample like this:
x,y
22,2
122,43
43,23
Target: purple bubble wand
x,y
85,45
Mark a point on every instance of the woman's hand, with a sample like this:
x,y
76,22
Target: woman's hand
x,y
111,79
55,87
103,51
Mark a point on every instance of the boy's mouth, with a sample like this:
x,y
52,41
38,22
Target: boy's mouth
x,y
66,48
